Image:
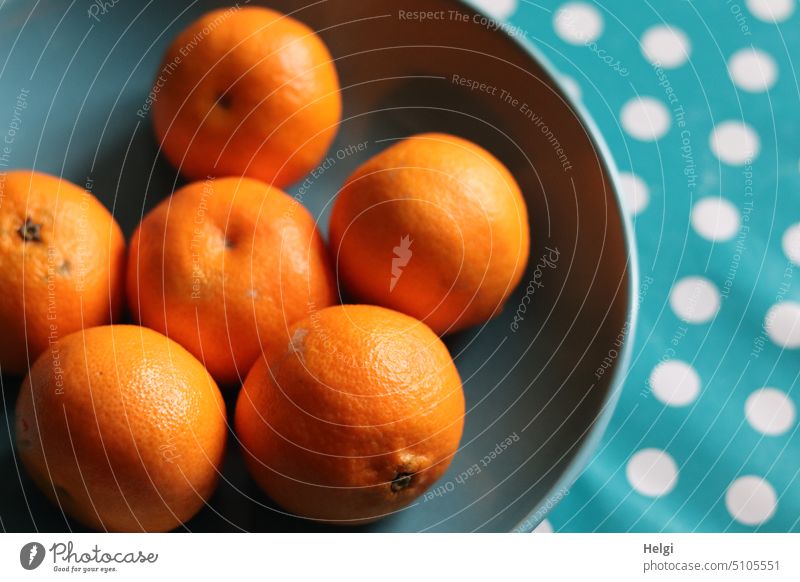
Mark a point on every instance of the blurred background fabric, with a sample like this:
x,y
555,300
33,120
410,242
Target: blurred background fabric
x,y
699,104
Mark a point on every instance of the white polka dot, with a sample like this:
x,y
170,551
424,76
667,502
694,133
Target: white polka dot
x,y
783,324
652,472
666,46
770,411
675,383
791,243
634,192
771,10
498,9
715,219
571,87
544,527
734,142
694,299
752,70
751,500
578,23
645,118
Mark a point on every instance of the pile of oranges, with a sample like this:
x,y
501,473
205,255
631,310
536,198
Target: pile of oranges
x,y
346,413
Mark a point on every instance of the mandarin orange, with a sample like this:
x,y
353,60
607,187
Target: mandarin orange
x,y
123,428
62,265
435,227
358,415
224,267
246,92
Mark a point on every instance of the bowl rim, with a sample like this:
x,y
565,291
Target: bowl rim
x,y
598,428
595,433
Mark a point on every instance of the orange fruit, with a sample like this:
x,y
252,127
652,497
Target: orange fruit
x,y
435,227
224,267
122,428
359,415
62,265
246,92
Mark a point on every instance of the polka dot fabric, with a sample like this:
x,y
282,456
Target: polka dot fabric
x,y
699,111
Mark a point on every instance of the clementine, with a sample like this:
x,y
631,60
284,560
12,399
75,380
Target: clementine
x,y
361,412
123,428
224,267
246,91
435,227
62,264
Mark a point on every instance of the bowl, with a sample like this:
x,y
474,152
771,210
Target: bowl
x,y
541,379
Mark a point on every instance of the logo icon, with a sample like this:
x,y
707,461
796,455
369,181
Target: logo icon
x,y
402,255
31,555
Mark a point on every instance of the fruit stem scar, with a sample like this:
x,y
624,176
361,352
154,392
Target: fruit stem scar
x,y
224,100
30,231
401,481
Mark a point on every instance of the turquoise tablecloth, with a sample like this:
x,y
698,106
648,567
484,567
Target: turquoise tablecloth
x,y
699,104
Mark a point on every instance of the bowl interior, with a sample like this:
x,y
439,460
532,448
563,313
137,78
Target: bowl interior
x,y
536,377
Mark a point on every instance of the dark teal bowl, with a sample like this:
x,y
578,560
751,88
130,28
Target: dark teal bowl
x,y
541,379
